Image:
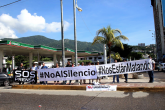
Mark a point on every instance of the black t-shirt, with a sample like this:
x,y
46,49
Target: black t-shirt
x,y
21,68
68,65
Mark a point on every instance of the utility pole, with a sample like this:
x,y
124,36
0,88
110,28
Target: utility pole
x,y
62,36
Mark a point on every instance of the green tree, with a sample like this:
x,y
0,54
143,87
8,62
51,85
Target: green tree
x,y
109,37
136,55
124,53
116,56
85,61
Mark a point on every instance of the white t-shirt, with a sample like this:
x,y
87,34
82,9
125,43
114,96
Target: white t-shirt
x,y
39,67
151,64
34,68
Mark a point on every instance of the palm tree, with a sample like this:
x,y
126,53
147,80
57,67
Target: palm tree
x,y
108,37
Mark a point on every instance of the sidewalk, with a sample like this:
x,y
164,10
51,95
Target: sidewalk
x,y
132,85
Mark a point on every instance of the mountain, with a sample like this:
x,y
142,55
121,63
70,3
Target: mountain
x,y
42,40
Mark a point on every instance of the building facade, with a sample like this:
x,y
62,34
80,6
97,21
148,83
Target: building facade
x,y
159,21
141,44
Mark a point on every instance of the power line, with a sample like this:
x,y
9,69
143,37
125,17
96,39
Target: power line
x,y
85,24
10,3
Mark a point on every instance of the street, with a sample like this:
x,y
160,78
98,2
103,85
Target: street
x,y
80,100
30,99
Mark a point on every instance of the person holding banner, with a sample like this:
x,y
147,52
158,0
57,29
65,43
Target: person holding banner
x,y
125,75
56,67
21,67
89,64
82,64
98,77
68,65
152,68
117,76
44,67
39,67
33,68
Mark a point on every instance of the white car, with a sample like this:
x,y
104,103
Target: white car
x,y
162,67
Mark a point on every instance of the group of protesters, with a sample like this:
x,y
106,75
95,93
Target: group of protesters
x,y
91,81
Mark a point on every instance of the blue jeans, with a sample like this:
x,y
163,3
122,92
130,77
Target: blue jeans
x,y
151,76
117,78
126,76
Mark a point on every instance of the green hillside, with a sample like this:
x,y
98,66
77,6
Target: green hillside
x,y
42,40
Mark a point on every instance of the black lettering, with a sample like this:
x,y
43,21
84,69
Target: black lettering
x,y
107,70
65,73
52,75
145,66
103,70
93,73
75,74
110,70
133,67
141,66
46,74
117,68
58,74
85,74
128,69
89,72
113,68
80,72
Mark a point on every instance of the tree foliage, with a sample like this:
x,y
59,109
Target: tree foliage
x,y
116,56
123,53
85,61
109,37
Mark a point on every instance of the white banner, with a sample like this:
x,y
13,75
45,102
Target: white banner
x,y
67,73
101,88
124,67
91,72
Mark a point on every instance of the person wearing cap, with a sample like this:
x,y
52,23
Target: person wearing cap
x,y
98,77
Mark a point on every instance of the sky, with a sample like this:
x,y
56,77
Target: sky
x,y
134,18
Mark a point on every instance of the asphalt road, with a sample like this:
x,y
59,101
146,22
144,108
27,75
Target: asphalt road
x,y
82,100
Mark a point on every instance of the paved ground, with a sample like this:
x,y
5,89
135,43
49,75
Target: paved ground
x,y
28,99
159,81
81,100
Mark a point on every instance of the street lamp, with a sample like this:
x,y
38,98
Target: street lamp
x,y
155,42
75,38
62,36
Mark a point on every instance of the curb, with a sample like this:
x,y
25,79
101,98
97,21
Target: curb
x,y
50,87
81,87
145,89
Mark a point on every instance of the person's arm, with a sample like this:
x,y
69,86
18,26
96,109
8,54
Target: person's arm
x,y
154,66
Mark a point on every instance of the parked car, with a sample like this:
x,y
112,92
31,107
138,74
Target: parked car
x,y
5,79
162,67
157,66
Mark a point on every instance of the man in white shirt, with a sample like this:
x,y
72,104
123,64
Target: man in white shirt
x,y
152,68
34,68
39,67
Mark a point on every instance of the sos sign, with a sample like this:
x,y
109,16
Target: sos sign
x,y
25,76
